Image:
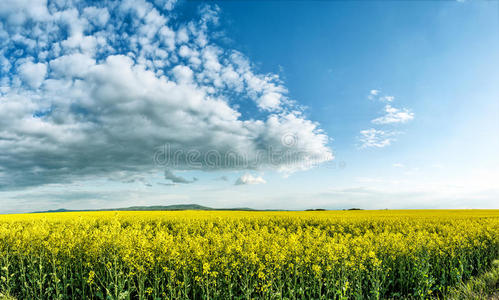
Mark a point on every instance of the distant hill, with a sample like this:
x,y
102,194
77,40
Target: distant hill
x,y
150,208
167,207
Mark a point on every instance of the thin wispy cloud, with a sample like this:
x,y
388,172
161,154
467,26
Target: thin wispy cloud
x,y
380,138
372,94
377,95
387,98
394,115
375,138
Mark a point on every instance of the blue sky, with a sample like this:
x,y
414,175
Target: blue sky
x,y
382,104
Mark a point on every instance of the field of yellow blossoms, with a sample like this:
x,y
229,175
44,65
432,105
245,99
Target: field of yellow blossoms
x,y
244,255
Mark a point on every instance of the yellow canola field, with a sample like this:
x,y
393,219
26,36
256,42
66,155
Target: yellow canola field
x,y
244,255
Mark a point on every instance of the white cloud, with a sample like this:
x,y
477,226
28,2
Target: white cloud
x,y
18,11
108,101
398,165
183,74
270,101
72,65
182,35
33,74
167,4
394,115
249,179
98,16
374,138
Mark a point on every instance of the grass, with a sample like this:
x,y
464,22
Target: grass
x,y
6,297
484,286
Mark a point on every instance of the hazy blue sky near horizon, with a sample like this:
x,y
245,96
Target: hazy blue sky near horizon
x,y
379,104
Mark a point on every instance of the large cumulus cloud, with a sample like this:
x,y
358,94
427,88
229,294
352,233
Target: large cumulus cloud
x,y
106,88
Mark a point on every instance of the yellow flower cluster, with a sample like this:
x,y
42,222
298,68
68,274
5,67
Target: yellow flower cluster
x,y
227,254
